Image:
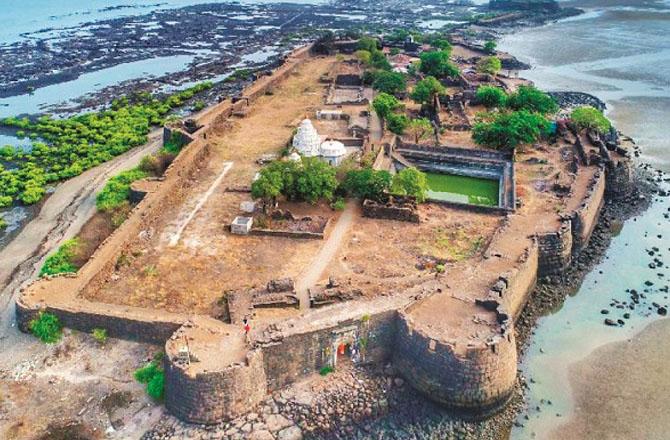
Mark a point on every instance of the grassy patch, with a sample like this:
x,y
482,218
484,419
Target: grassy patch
x,y
453,244
117,190
62,261
47,327
100,335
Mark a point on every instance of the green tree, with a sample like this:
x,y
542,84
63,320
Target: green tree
x,y
378,60
385,104
491,96
508,130
590,118
412,182
490,46
426,89
314,180
420,129
442,45
489,65
366,183
532,99
268,186
437,64
363,56
391,83
397,123
368,44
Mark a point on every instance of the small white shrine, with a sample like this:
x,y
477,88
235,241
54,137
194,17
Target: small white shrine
x,y
308,143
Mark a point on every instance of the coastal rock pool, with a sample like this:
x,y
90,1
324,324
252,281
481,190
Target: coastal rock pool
x,y
462,189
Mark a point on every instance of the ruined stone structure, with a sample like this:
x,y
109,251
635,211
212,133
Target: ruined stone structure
x,y
214,373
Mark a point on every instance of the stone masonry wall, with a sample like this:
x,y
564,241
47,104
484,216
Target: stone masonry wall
x,y
585,218
140,329
555,250
211,397
297,355
477,378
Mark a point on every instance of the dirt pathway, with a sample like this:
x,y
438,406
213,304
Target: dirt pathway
x,y
61,217
312,274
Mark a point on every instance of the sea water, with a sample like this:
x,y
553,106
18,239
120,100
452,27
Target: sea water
x,y
619,51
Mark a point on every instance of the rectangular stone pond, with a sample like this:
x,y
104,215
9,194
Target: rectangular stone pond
x,y
463,189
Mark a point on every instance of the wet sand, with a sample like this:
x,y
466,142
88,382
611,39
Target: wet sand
x,y
622,389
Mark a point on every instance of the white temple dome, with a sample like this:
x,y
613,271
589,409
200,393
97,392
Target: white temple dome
x,y
333,149
307,140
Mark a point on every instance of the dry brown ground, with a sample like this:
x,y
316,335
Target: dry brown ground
x,y
77,389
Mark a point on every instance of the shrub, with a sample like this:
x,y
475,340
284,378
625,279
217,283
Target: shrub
x,y
491,96
325,371
100,335
397,123
150,165
490,65
412,182
198,105
153,376
339,204
117,190
590,118
532,99
62,260
47,327
508,130
490,46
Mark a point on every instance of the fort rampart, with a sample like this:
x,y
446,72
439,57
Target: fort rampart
x,y
205,386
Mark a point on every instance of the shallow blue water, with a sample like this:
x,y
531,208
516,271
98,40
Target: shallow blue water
x,y
620,52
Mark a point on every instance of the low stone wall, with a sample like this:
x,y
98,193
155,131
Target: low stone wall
x,y
140,328
210,397
477,379
584,219
520,280
390,211
287,234
619,180
555,250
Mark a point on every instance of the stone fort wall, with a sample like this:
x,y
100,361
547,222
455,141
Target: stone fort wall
x,y
478,377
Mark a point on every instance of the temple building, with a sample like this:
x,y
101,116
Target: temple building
x,y
308,143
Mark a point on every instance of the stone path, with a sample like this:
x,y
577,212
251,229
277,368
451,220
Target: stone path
x,y
312,274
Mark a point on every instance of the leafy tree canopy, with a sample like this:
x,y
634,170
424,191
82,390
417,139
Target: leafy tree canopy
x,y
367,183
412,182
508,130
425,90
385,104
491,96
490,65
437,64
397,123
368,44
590,118
532,99
390,82
420,129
